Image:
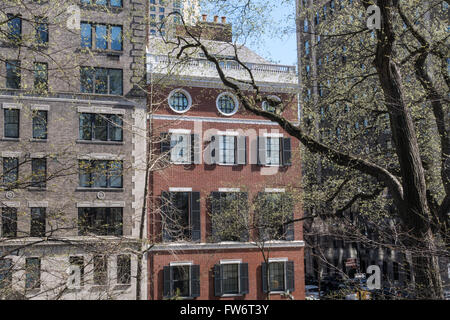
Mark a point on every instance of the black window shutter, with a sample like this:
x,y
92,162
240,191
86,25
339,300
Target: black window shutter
x,y
218,280
262,145
195,281
241,150
288,212
166,206
264,277
167,282
243,208
287,153
290,282
165,142
195,149
215,209
212,151
195,216
243,278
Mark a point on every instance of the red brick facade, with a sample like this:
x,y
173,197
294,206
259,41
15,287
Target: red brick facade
x,y
203,116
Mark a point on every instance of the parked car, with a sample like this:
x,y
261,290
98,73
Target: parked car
x,y
312,292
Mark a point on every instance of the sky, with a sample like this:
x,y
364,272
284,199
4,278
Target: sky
x,y
278,43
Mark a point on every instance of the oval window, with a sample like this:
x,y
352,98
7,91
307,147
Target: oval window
x,y
227,104
179,101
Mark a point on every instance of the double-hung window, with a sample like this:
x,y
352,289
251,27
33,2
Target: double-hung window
x,y
37,225
13,74
12,122
274,151
227,149
230,278
32,273
100,221
101,81
41,76
41,30
40,124
100,270
6,268
9,222
39,172
181,280
180,145
101,173
101,127
14,27
278,276
10,171
180,216
124,269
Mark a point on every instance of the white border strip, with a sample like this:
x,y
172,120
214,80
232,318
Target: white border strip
x,y
180,189
180,131
229,189
7,105
230,261
274,190
278,259
181,263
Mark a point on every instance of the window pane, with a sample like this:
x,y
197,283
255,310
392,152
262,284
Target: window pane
x,y
115,81
33,273
227,149
230,280
40,125
226,104
101,37
100,127
37,222
85,174
14,27
178,101
41,30
100,270
181,280
116,3
100,2
40,76
13,74
273,151
10,170
101,81
124,269
99,172
86,80
11,123
85,126
86,35
116,38
38,173
115,128
78,262
276,276
115,174
5,274
9,222
179,148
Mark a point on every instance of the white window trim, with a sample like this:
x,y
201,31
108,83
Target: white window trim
x,y
102,110
272,97
12,106
11,154
221,151
181,263
180,131
228,133
236,103
273,135
276,260
180,189
37,204
40,107
188,96
238,262
229,190
101,204
274,190
9,204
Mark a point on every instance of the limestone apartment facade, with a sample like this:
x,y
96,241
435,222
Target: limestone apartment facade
x,y
69,102
216,151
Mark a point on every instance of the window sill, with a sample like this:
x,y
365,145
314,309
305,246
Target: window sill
x,y
38,140
10,139
277,292
86,189
231,295
228,164
112,143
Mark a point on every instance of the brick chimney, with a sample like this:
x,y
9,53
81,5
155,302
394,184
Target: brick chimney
x,y
215,30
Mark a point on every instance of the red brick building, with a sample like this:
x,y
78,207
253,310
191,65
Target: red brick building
x,y
221,155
